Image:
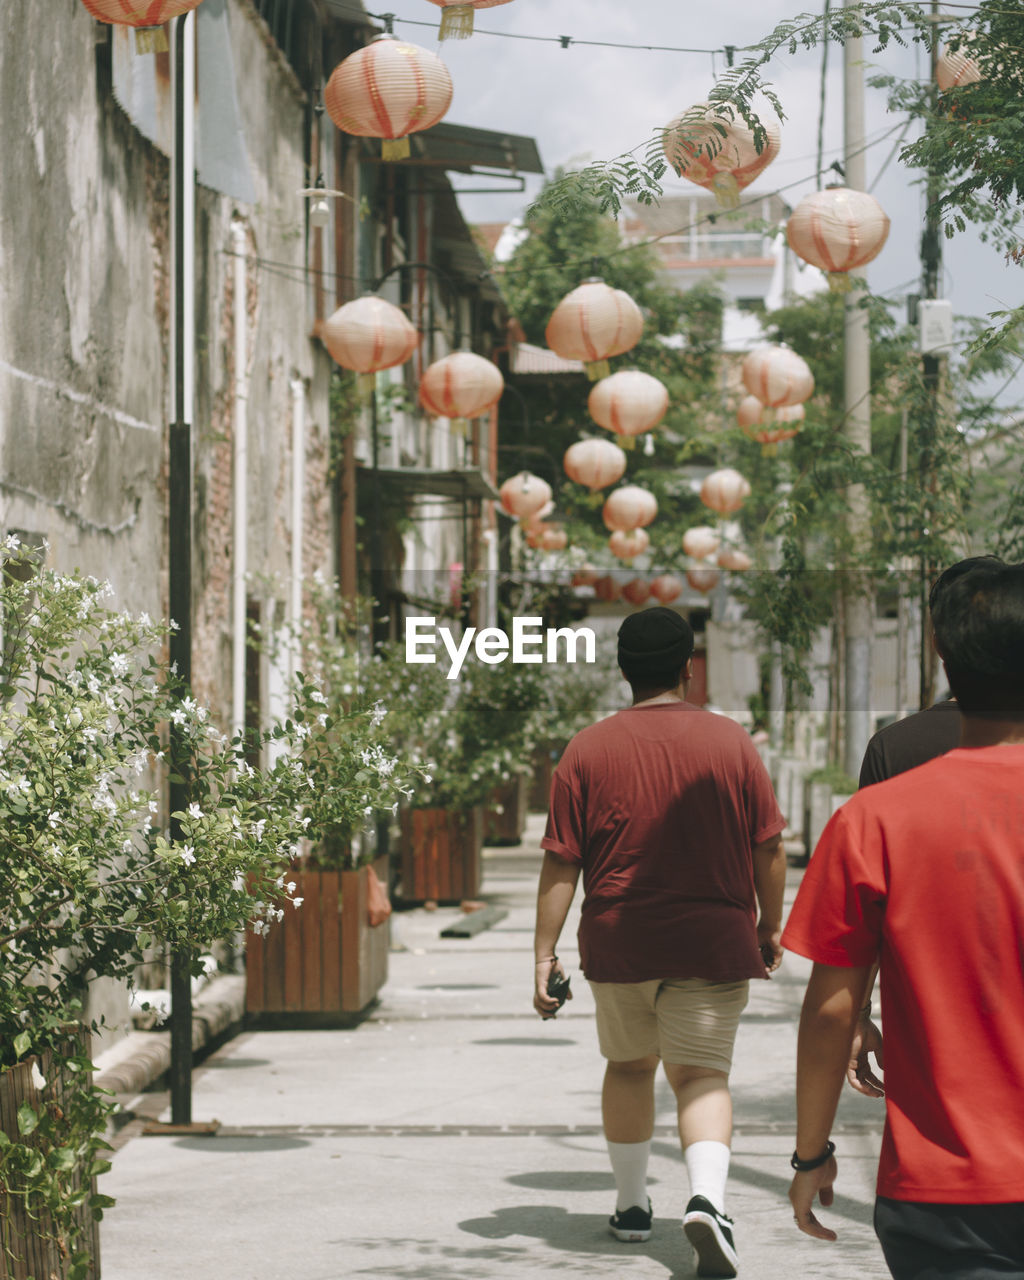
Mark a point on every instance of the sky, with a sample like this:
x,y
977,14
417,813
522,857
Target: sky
x,y
585,103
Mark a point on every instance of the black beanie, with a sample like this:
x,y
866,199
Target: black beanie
x,y
656,639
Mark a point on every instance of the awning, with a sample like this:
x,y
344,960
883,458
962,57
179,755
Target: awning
x,y
468,483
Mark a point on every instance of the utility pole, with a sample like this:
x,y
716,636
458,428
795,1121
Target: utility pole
x,y
858,600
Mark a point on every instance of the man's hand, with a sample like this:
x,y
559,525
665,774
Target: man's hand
x,y
803,1189
867,1039
547,1006
770,944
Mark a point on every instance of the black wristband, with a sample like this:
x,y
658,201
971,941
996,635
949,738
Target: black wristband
x,y
805,1166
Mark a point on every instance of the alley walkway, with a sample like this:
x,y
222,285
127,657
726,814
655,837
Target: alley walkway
x,y
455,1136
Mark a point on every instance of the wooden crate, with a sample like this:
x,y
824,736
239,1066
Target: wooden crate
x,y
441,854
33,1242
505,814
323,958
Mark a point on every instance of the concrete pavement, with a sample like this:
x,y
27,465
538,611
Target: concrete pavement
x,y
453,1134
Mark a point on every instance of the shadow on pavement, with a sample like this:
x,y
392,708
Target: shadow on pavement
x,y
214,1146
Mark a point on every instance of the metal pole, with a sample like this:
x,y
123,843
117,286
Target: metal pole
x,y
240,475
858,600
180,507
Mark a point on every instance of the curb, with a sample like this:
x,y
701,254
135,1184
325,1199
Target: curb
x,y
134,1063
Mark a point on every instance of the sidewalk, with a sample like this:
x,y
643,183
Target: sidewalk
x,y
455,1135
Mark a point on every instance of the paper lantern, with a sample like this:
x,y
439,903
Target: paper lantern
x,y
554,538
537,518
733,558
702,579
778,425
460,386
585,577
956,68
724,491
749,412
146,16
838,230
606,589
624,544
629,403
666,587
629,508
592,323
594,463
457,18
716,152
636,591
369,334
700,542
777,376
388,90
524,495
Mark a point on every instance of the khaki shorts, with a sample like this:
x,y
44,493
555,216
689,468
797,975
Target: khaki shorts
x,y
686,1021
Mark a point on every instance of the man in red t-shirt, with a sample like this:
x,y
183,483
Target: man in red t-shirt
x,y
668,812
925,873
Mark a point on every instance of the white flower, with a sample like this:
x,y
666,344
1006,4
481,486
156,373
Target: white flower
x,y
297,902
194,811
290,886
53,818
378,713
368,810
258,927
258,828
152,806
38,1079
12,542
238,883
188,854
317,696
119,664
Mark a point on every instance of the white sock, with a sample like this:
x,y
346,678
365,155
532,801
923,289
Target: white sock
x,y
707,1163
629,1165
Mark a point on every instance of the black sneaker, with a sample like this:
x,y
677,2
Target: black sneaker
x,y
710,1233
631,1226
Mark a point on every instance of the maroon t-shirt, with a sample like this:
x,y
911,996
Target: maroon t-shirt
x,y
661,806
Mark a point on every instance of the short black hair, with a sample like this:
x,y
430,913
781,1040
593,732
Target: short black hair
x,y
978,617
950,575
654,646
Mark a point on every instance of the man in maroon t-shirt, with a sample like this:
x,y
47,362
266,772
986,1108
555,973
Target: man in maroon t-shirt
x,y
668,812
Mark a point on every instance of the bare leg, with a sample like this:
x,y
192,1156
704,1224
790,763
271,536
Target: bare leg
x,y
703,1102
627,1099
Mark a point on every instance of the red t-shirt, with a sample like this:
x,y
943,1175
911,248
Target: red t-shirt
x,y
661,806
926,871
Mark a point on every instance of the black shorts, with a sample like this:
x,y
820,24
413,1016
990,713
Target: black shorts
x,y
951,1241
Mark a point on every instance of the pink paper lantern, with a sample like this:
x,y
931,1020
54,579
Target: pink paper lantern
x,y
780,424
139,13
954,69
524,495
457,18
592,323
461,385
625,544
585,577
369,334
700,542
636,591
733,558
554,538
606,589
777,376
629,508
594,463
629,402
723,163
749,412
702,579
387,90
536,520
838,230
724,491
666,587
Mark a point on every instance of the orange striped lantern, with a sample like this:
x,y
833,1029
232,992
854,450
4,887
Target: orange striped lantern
x,y
838,230
606,589
585,577
777,376
749,412
700,542
594,463
702,579
956,68
146,16
592,323
460,386
629,508
629,403
666,587
636,591
780,424
554,538
724,491
536,520
733,558
388,90
625,544
457,17
524,495
369,334
718,152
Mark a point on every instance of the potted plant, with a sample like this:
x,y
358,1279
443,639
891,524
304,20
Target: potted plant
x,y
91,880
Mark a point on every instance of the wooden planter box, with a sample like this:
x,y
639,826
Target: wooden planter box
x,y
544,760
505,815
323,962
441,855
33,1241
